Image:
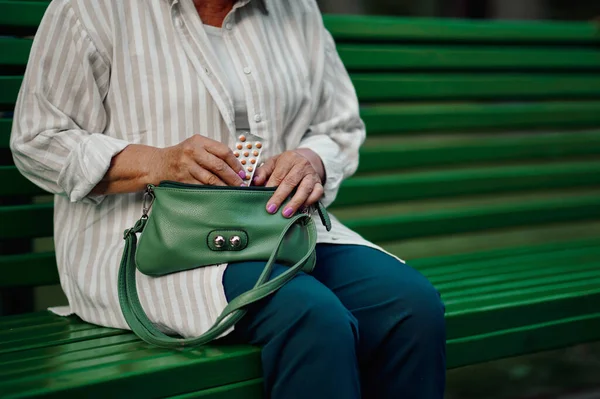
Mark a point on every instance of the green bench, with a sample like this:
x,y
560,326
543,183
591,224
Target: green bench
x,y
481,167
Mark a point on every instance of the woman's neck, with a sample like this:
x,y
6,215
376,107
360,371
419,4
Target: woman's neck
x,y
213,12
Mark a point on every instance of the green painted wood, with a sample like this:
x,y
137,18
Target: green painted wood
x,y
453,221
22,13
9,89
14,51
5,128
386,29
252,389
16,184
388,119
519,341
391,155
26,221
386,57
390,87
408,186
96,367
28,270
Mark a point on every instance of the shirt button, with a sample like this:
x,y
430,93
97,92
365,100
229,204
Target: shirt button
x,y
247,70
228,26
257,118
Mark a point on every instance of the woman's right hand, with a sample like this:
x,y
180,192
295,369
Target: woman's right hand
x,y
199,160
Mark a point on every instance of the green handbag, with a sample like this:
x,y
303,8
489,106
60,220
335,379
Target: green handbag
x,y
195,226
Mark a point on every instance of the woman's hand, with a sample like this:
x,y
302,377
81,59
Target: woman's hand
x,y
200,160
301,169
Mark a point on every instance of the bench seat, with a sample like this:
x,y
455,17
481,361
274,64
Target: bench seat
x,y
558,287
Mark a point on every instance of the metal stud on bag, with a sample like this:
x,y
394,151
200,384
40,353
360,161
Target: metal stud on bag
x,y
235,241
219,241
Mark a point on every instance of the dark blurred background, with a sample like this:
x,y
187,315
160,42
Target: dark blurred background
x,y
572,373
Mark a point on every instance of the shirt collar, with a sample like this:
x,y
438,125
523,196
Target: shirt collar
x,y
261,3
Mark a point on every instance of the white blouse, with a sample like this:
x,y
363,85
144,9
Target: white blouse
x,y
106,73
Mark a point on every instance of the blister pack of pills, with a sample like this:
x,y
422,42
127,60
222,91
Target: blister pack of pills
x,y
248,152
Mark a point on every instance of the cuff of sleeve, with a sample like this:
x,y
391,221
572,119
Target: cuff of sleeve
x,y
328,151
86,165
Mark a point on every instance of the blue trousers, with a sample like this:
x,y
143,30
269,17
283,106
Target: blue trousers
x,y
363,325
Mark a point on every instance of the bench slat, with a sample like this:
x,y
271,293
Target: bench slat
x,y
388,119
9,89
14,51
28,270
390,87
5,128
22,13
252,389
35,220
523,340
27,221
386,29
386,87
407,186
431,223
16,184
382,57
551,147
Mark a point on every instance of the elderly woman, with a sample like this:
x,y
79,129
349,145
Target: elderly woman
x,y
119,94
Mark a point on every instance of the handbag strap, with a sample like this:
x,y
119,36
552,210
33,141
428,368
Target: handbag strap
x,y
141,325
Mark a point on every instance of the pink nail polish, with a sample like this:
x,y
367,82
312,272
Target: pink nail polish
x,y
242,174
243,185
287,212
272,208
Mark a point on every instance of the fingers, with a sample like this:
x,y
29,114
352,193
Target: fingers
x,y
316,195
304,192
220,169
264,172
203,176
223,152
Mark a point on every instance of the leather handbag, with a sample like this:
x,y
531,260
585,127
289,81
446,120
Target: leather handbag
x,y
193,226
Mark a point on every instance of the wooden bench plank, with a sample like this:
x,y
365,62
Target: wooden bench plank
x,y
5,128
386,29
403,186
407,186
16,184
428,223
10,86
14,51
22,13
523,340
393,87
393,154
387,57
388,119
27,221
28,270
252,389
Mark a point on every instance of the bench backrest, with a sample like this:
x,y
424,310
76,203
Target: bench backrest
x,y
435,95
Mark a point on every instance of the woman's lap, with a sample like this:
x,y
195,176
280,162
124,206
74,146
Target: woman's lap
x,y
387,314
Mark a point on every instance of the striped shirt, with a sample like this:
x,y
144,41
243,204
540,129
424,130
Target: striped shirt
x,y
106,73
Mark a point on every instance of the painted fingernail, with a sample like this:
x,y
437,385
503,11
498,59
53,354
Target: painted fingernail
x,y
287,212
242,174
272,208
243,185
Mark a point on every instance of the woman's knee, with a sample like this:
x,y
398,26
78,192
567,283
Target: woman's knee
x,y
314,311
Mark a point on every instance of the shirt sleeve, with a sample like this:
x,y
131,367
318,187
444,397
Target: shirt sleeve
x,y
337,131
56,139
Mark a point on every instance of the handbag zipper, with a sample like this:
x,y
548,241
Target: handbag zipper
x,y
189,186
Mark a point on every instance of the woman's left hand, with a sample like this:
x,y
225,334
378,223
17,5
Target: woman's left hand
x,y
300,169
